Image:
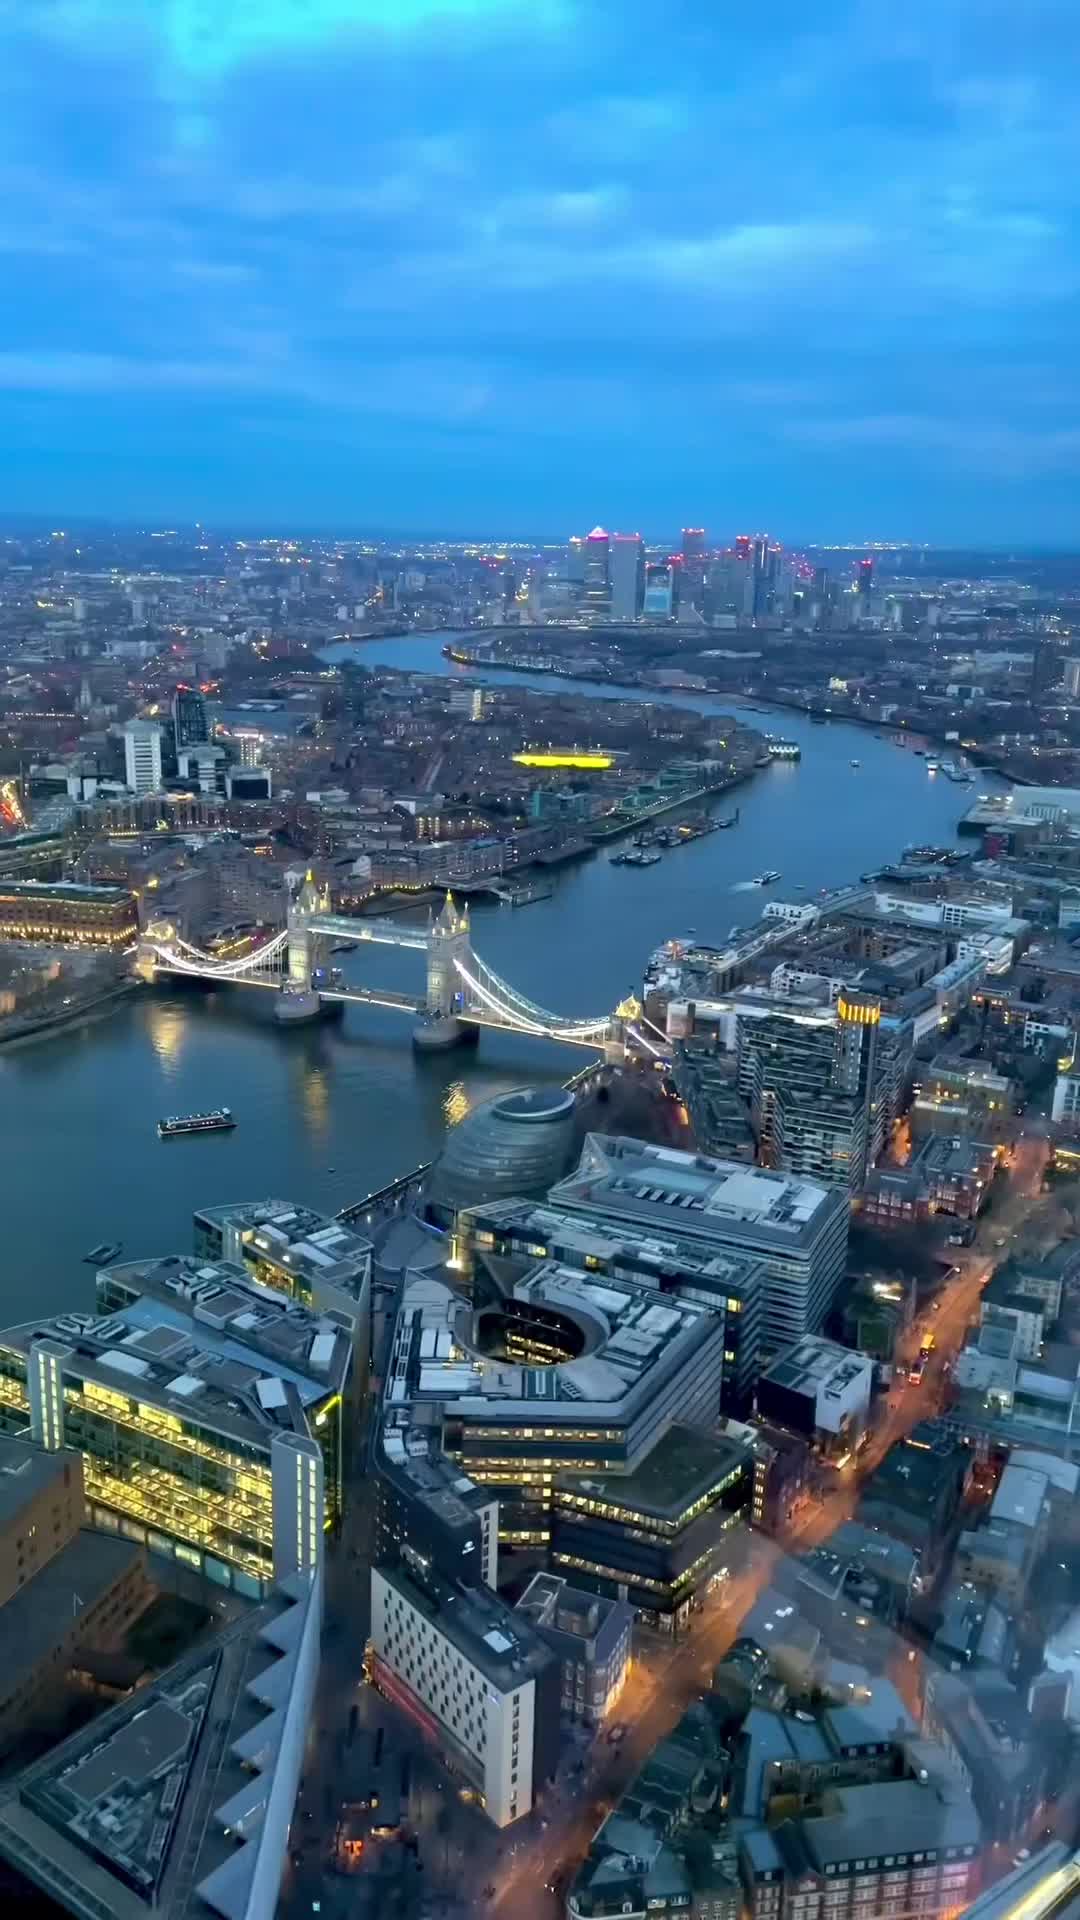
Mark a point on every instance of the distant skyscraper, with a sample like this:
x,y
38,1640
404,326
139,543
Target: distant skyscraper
x,y
190,727
597,595
1046,667
693,565
575,559
731,585
760,552
1072,677
627,568
660,590
142,756
866,577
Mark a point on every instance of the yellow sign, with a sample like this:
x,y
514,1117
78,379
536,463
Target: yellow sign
x,y
586,762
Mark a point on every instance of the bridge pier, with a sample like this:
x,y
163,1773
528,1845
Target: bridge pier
x,y
298,1001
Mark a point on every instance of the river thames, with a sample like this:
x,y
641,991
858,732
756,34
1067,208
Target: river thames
x,y
327,1113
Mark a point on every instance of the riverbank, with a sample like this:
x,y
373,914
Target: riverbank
x,y
21,1030
979,756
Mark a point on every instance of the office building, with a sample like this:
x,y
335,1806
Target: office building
x,y
188,1395
593,1638
67,913
190,725
660,1534
575,560
819,1391
179,1800
864,585
425,1507
480,1679
797,1229
142,756
311,1257
731,1286
565,1372
627,575
661,596
596,579
248,783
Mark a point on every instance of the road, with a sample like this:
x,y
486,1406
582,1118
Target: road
x,y
662,1685
460,1853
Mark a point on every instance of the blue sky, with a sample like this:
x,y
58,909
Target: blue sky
x,y
476,265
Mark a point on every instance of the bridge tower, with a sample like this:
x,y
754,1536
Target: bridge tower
x,y
448,942
625,1014
298,999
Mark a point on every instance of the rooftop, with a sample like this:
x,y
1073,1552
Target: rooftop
x,y
153,1808
907,1815
673,1191
1020,1497
206,1343
815,1365
565,1236
38,1617
311,1245
632,1340
492,1636
25,1472
684,1467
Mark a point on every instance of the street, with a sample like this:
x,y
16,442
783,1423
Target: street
x,y
452,1854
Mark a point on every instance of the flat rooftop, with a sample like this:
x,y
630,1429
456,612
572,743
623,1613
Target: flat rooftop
x,y
492,1636
206,1343
566,1236
1020,1497
38,1617
906,1815
699,1196
633,1339
683,1468
25,1472
314,1245
816,1366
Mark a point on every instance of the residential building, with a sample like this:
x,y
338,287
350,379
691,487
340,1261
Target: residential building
x,y
796,1228
811,1080
905,1848
660,1534
67,913
820,1391
988,1732
142,756
207,1410
482,1681
962,1097
592,1636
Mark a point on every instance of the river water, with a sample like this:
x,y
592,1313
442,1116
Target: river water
x,y
328,1113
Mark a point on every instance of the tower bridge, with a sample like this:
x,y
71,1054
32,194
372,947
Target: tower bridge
x,y
462,992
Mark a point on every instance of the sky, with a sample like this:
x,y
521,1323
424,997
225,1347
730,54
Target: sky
x,y
513,267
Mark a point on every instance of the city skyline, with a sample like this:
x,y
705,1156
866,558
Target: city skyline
x,y
437,265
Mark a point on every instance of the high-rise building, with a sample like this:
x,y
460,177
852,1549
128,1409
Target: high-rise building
x,y
575,559
142,756
797,1229
660,590
730,586
692,566
190,727
627,575
811,1079
865,583
596,597
1072,677
761,558
1046,665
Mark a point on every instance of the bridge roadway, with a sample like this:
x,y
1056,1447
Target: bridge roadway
x,y
382,933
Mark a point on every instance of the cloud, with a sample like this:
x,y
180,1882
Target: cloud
x,y
781,258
